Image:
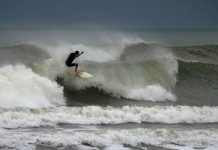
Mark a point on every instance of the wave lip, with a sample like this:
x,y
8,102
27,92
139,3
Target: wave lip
x,y
21,87
25,117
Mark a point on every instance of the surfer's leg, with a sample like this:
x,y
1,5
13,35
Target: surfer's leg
x,y
76,66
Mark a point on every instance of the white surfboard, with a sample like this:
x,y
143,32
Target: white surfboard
x,y
80,73
83,74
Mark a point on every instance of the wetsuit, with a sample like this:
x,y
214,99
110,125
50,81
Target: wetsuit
x,y
70,59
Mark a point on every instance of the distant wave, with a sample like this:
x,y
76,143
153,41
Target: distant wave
x,y
203,53
205,74
22,54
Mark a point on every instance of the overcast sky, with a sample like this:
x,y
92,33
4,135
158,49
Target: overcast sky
x,y
109,13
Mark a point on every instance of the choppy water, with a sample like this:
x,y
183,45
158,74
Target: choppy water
x,y
144,94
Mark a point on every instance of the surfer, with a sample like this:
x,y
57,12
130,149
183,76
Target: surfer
x,y
70,59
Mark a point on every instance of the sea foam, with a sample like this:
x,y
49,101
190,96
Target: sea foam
x,y
26,117
21,87
111,138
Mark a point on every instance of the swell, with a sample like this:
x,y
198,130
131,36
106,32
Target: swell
x,y
198,73
22,54
202,53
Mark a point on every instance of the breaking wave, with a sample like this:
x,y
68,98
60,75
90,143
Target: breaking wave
x,y
26,117
33,81
149,78
111,139
130,69
21,87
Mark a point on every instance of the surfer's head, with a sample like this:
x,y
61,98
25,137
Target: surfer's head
x,y
76,53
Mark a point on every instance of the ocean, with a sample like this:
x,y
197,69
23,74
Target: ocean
x,y
151,90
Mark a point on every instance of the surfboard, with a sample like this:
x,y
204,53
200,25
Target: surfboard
x,y
79,74
83,74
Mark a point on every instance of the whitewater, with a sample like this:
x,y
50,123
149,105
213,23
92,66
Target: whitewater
x,y
144,94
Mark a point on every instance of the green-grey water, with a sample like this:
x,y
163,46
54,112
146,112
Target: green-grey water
x,y
152,89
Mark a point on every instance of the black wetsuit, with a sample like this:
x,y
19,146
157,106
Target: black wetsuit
x,y
70,59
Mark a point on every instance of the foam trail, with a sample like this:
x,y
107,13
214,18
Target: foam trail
x,y
25,117
111,138
21,87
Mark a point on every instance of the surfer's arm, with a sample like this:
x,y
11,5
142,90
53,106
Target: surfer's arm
x,y
80,54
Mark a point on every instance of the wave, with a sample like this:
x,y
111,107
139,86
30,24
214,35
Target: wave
x,y
14,117
21,87
131,69
138,81
203,54
22,54
103,139
202,74
150,79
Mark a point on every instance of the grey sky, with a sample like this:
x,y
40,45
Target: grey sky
x,y
109,13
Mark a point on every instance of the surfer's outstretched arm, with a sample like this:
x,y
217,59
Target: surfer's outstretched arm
x,y
80,54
